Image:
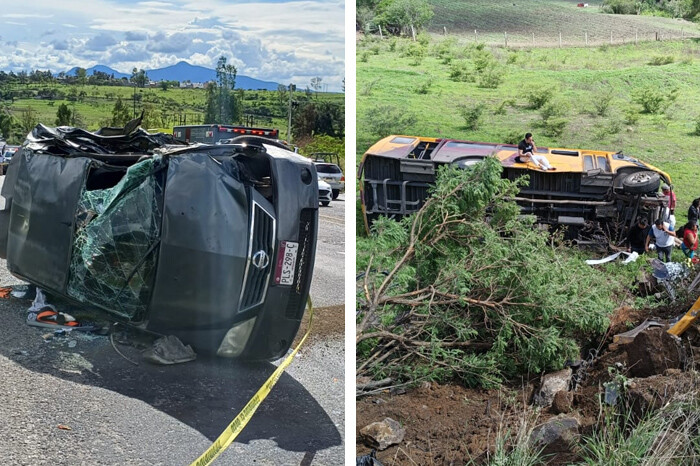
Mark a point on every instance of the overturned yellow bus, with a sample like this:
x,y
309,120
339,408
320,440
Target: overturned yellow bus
x,y
595,195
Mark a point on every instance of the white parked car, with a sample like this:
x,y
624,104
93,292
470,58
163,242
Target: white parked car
x,y
325,193
333,175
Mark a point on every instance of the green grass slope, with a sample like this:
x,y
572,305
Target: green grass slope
x,y
579,77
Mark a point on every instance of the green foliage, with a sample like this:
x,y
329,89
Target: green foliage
x,y
423,39
423,87
512,136
662,60
501,108
493,296
654,100
120,113
63,115
555,126
6,123
461,72
387,119
364,56
417,52
319,117
602,99
472,115
406,13
620,7
696,130
554,108
631,116
539,95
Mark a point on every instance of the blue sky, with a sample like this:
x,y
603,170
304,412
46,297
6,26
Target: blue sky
x,y
282,41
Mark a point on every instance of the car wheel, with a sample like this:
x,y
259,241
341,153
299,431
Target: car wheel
x,y
325,203
641,182
336,193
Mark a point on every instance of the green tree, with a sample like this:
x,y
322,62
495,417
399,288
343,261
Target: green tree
x,y
407,15
63,115
222,104
139,77
81,75
6,123
211,112
164,85
120,113
27,119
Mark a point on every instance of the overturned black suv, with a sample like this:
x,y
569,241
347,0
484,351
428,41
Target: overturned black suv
x,y
214,244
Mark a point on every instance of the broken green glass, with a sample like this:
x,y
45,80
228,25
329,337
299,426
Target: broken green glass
x,y
114,250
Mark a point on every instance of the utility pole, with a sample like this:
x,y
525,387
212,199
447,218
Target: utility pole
x,y
292,87
134,101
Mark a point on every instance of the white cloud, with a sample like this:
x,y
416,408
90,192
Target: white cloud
x,y
278,41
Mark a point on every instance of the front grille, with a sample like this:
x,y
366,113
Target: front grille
x,y
304,267
260,254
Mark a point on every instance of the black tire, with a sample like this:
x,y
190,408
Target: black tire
x,y
325,203
641,182
336,193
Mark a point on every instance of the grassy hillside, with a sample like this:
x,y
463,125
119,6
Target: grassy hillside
x,y
165,109
546,19
427,102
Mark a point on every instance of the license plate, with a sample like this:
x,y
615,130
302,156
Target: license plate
x,y
286,263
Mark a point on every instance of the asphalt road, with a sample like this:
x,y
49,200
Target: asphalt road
x,y
119,413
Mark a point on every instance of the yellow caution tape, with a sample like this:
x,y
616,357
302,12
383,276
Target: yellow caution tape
x,y
228,436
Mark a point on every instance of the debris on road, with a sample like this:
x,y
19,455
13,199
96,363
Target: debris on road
x,y
169,350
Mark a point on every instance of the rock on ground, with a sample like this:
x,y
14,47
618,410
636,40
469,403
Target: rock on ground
x,y
551,384
557,435
381,435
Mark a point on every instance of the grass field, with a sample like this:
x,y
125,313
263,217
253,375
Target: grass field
x,y
578,77
546,19
165,108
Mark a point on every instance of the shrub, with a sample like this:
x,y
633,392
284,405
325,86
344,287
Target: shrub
x,y
417,52
631,116
654,100
513,136
368,86
490,78
392,44
444,47
554,108
423,39
661,60
537,96
696,132
602,100
460,72
554,127
424,87
501,108
620,7
383,120
472,115
364,57
375,49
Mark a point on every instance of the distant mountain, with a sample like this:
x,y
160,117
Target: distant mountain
x,y
102,68
183,71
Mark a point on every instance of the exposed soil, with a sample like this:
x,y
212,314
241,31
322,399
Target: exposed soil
x,y
328,322
452,425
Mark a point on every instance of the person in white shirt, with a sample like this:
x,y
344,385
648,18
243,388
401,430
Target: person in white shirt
x,y
664,237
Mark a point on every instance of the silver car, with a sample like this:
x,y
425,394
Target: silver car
x,y
333,175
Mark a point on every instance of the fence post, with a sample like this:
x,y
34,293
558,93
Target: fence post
x,y
610,37
505,35
476,36
636,36
381,36
682,34
586,34
533,39
444,30
559,39
413,33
